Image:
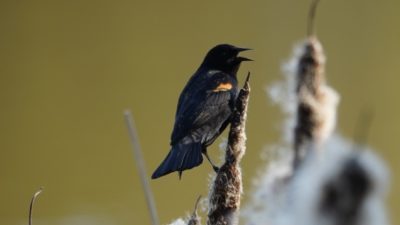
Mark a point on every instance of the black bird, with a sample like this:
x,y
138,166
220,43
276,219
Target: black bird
x,y
204,109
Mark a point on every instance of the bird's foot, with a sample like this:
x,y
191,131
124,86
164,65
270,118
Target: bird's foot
x,y
216,168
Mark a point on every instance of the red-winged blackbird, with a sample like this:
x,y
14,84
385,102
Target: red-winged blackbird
x,y
204,109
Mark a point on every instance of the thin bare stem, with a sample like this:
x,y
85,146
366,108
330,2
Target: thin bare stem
x,y
196,205
37,193
311,17
137,152
194,218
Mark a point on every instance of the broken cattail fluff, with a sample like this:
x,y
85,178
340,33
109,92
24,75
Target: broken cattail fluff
x,y
345,186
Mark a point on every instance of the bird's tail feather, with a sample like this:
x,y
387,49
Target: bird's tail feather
x,y
180,158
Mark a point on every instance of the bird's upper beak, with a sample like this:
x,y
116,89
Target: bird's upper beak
x,y
242,49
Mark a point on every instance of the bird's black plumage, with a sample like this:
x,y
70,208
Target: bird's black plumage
x,y
204,109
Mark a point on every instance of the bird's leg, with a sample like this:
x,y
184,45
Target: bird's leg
x,y
216,168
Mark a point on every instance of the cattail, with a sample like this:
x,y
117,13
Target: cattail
x,y
316,102
226,188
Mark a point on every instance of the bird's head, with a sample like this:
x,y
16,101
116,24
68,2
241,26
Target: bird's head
x,y
225,57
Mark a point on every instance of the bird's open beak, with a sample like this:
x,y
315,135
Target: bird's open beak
x,y
240,58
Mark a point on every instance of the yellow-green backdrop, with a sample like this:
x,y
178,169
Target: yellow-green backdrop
x,y
68,69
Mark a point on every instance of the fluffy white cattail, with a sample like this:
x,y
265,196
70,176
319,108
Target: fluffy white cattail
x,y
308,102
226,188
316,102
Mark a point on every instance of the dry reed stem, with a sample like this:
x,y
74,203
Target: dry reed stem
x,y
194,218
137,152
35,195
226,190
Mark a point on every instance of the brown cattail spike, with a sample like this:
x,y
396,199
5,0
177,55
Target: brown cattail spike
x,y
310,90
226,189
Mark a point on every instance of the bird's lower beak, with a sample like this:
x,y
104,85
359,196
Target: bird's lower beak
x,y
241,59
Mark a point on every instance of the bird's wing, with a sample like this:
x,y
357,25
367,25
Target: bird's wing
x,y
202,101
192,87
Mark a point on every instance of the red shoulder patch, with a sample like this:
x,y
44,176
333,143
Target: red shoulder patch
x,y
223,87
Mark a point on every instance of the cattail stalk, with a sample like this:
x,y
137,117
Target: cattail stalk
x,y
316,102
226,189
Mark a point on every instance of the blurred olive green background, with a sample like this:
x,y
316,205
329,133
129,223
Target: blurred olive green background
x,y
68,69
